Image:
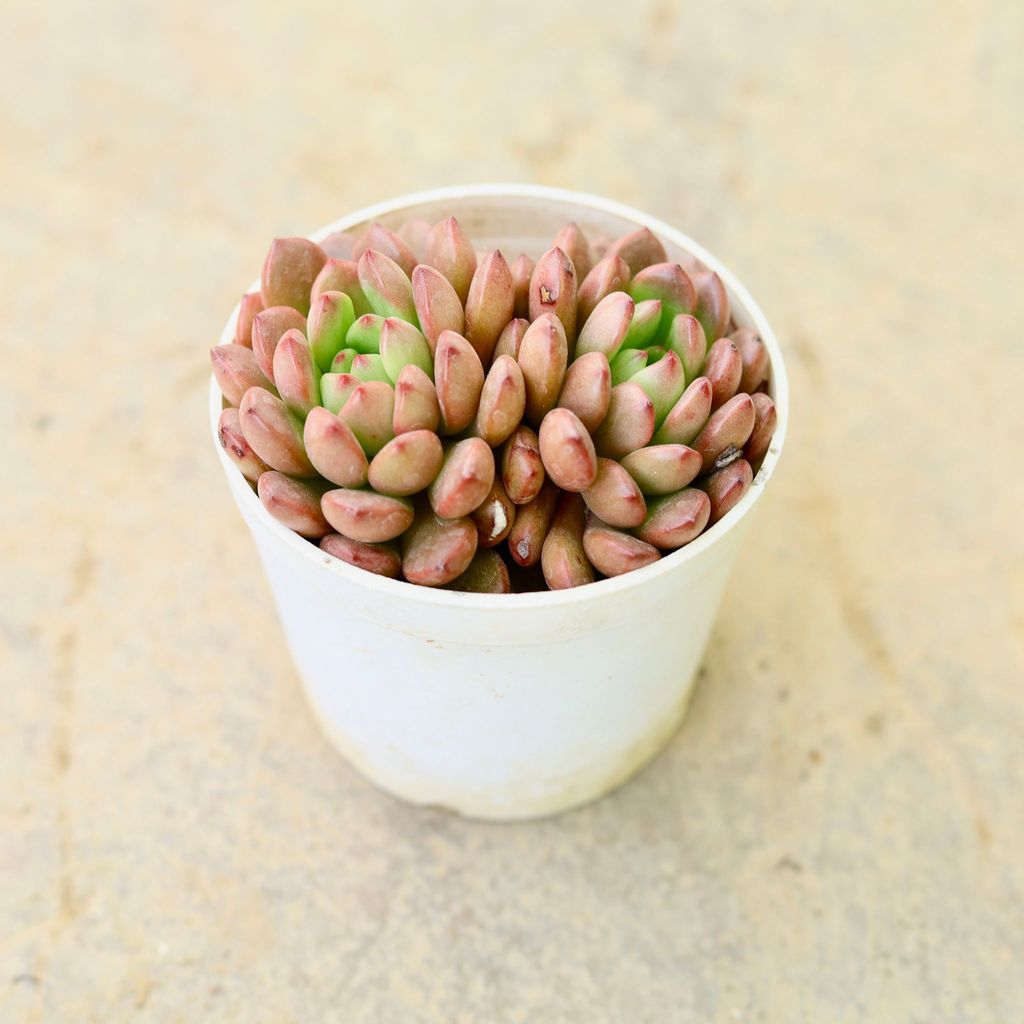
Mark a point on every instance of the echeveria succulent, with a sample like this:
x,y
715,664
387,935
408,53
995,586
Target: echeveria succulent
x,y
453,417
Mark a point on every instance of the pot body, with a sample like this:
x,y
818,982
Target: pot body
x,y
504,706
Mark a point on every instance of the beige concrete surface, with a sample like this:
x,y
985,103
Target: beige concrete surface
x,y
837,832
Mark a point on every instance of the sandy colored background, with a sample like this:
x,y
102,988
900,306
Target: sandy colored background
x,y
837,832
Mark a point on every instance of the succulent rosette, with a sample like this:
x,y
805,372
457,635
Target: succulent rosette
x,y
434,413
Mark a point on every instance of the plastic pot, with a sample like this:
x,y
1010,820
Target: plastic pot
x,y
505,706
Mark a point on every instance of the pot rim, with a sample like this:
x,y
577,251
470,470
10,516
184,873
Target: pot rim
x,y
673,561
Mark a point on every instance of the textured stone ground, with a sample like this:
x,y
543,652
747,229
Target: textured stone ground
x,y
835,834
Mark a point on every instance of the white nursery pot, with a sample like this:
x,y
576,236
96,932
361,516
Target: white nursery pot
x,y
519,705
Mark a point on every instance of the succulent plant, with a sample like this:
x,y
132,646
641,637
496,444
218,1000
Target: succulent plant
x,y
457,418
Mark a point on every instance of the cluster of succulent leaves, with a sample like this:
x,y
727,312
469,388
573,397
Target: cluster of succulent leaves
x,y
436,414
